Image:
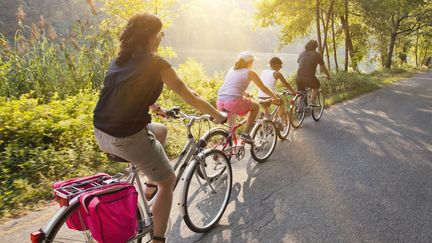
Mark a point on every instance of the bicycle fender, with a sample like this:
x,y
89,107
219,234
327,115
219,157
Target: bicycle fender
x,y
207,134
63,210
188,171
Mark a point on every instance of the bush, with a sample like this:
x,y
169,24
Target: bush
x,y
42,143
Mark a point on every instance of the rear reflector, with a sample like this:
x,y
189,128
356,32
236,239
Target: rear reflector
x,y
37,236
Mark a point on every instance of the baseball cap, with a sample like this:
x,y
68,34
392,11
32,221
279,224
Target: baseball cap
x,y
246,56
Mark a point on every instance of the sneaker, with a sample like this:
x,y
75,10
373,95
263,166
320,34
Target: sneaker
x,y
246,138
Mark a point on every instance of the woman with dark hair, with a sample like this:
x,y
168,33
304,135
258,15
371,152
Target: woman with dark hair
x,y
122,123
308,61
231,95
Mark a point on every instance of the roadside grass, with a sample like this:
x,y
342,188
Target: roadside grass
x,y
345,86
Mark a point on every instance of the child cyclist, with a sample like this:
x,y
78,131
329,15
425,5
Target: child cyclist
x,y
232,97
270,77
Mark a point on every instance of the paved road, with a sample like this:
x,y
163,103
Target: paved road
x,y
361,174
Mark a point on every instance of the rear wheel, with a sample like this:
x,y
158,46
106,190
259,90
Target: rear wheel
x,y
264,135
297,111
219,139
318,108
60,232
205,198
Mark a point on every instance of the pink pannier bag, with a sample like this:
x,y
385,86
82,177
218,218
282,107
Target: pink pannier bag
x,y
64,191
111,212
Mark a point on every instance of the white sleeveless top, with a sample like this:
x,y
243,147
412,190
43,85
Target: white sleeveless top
x,y
268,80
235,83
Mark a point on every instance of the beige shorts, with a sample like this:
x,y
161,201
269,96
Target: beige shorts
x,y
142,149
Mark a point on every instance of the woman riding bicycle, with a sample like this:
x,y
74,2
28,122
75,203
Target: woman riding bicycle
x,y
122,123
232,97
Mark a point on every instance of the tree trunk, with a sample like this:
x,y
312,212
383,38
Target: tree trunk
x,y
317,12
326,23
416,49
348,45
326,27
325,46
346,33
334,45
328,56
390,50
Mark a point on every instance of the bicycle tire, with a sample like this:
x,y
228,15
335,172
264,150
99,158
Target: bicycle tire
x,y
321,102
199,220
286,127
75,235
223,143
297,111
258,144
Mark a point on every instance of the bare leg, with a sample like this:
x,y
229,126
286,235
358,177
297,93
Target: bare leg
x,y
251,118
266,110
160,131
314,95
162,205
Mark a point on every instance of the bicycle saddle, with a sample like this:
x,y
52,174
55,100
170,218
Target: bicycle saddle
x,y
116,158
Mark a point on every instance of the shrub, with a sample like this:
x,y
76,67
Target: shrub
x,y
42,143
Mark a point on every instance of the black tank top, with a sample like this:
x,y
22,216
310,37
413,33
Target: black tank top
x,y
129,90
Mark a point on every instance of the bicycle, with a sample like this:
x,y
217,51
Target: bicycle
x,y
282,123
264,134
300,105
201,170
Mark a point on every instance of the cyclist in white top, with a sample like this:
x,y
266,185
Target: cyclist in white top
x,y
270,77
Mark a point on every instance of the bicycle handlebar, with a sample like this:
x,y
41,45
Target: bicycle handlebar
x,y
287,93
177,114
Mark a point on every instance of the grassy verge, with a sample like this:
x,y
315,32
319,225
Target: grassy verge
x,y
345,86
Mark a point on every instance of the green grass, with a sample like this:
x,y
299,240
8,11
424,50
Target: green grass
x,y
345,86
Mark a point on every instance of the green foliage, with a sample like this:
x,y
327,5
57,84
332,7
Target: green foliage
x,y
49,66
194,75
295,17
345,85
42,143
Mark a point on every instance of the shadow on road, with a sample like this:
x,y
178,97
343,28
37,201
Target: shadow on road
x,y
363,173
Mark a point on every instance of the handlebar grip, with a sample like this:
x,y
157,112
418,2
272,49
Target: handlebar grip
x,y
172,113
176,109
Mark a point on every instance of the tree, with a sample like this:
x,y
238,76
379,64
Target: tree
x,y
297,18
393,18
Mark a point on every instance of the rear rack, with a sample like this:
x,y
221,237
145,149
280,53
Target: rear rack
x,y
72,190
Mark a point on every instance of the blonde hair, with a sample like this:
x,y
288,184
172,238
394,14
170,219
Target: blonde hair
x,y
240,63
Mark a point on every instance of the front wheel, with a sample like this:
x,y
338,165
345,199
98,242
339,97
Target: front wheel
x,y
283,125
264,135
58,231
318,109
297,111
205,198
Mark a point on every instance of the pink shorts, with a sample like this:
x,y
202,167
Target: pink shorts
x,y
239,106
